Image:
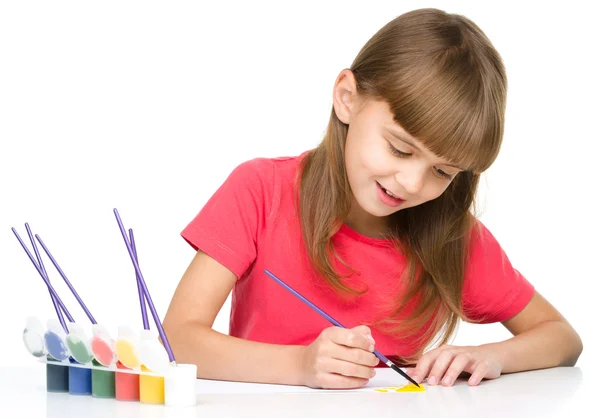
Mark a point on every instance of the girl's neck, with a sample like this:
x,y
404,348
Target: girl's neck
x,y
365,223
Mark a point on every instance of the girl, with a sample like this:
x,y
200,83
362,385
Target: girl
x,y
375,227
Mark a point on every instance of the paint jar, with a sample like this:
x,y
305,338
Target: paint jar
x,y
153,354
80,379
127,348
33,338
127,385
155,360
180,385
103,347
57,377
152,388
103,382
55,340
78,344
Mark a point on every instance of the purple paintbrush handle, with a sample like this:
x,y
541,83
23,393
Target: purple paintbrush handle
x,y
157,322
139,284
315,308
53,293
45,273
62,274
318,310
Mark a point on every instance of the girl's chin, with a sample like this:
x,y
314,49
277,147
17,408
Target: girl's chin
x,y
378,211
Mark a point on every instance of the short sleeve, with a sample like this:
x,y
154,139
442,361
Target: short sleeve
x,y
493,290
229,225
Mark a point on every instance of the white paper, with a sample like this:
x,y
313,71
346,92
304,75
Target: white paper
x,y
385,377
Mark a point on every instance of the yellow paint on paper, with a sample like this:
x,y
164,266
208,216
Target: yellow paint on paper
x,y
408,388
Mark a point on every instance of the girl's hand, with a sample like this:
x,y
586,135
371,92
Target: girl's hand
x,y
446,363
339,359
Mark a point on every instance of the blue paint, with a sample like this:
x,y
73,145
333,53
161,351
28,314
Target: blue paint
x,y
56,346
57,377
80,380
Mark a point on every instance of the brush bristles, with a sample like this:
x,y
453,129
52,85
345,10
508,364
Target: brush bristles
x,y
399,370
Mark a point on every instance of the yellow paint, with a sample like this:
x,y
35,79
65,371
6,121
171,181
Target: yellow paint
x,y
411,388
127,354
408,388
152,388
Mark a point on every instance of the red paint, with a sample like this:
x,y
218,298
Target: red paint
x,y
127,385
102,351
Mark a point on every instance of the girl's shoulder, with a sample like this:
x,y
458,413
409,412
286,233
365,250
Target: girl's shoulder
x,y
493,290
480,235
269,172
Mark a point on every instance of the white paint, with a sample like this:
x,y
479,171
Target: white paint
x,y
34,342
180,385
33,337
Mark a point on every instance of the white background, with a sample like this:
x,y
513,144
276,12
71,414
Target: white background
x,y
148,106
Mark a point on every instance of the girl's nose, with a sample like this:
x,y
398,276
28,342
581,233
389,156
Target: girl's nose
x,y
412,180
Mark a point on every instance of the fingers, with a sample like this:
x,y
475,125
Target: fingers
x,y
343,358
338,381
445,364
333,373
448,365
359,337
362,330
458,365
350,346
439,367
346,368
481,369
354,355
424,365
435,364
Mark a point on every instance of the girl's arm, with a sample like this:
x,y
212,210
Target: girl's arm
x,y
542,338
198,298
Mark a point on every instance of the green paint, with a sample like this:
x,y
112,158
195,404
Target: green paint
x,y
79,350
103,382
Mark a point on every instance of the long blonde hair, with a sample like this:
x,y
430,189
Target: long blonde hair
x,y
446,85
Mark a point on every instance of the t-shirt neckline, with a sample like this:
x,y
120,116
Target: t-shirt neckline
x,y
380,242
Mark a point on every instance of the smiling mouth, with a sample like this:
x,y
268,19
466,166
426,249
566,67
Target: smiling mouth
x,y
386,191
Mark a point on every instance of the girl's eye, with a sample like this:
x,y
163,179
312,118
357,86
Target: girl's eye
x,y
397,152
438,172
442,174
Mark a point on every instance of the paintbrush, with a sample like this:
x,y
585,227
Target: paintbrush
x,y
142,282
139,283
337,324
58,303
70,286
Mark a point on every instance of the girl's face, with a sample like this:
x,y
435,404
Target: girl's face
x,y
383,159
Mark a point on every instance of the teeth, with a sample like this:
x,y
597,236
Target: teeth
x,y
390,194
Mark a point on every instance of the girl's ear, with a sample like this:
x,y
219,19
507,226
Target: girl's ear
x,y
344,95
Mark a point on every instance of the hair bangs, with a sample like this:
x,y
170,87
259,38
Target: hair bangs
x,y
452,113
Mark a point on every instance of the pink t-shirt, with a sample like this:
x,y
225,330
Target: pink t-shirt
x,y
250,224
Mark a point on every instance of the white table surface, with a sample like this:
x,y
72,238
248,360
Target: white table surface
x,y
557,392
